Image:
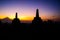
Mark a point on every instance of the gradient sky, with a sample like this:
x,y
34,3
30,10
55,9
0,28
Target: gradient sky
x,y
26,9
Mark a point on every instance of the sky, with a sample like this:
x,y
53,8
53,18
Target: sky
x,y
26,9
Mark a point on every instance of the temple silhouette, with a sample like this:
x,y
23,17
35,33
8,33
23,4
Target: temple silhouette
x,y
16,20
37,25
37,19
0,21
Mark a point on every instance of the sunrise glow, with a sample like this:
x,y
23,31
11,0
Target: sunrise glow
x,y
27,9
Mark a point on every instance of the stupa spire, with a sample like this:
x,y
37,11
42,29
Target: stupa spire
x,y
16,15
37,13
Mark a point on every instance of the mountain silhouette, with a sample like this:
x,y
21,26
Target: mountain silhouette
x,y
36,26
6,20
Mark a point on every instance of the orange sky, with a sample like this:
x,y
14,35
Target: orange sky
x,y
27,18
27,9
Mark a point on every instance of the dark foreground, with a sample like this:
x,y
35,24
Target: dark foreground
x,y
30,28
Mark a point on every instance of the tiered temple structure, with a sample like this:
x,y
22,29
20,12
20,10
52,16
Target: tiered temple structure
x,y
16,21
37,19
0,22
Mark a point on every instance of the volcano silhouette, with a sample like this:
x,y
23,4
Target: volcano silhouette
x,y
6,20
